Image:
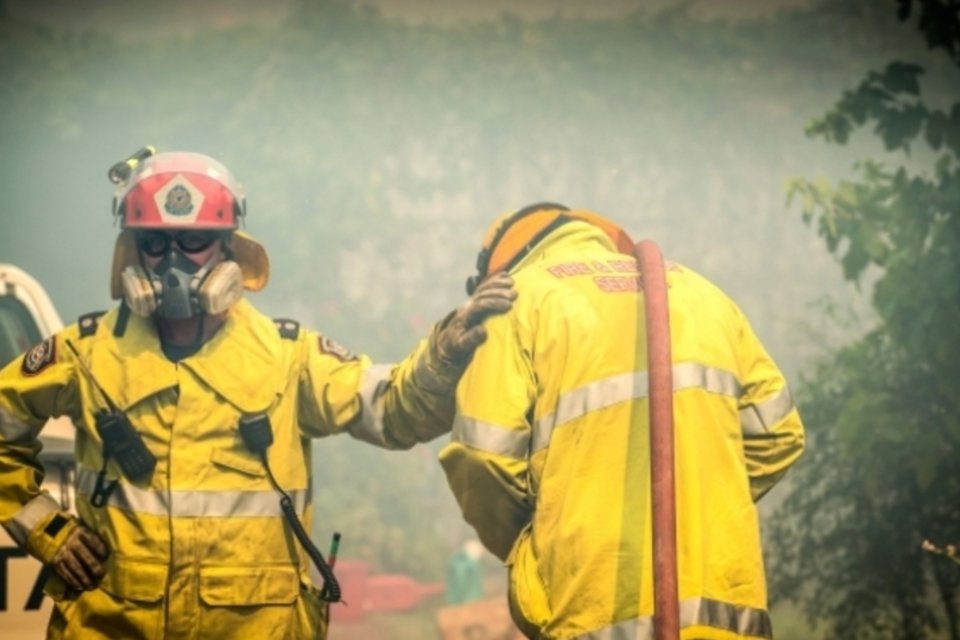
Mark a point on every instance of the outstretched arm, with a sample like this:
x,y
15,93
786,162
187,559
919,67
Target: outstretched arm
x,y
397,406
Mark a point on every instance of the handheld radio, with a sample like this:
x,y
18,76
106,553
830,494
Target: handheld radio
x,y
120,439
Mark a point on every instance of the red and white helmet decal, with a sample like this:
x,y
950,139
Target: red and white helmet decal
x,y
179,202
180,189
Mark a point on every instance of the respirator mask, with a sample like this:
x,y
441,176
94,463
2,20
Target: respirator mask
x,y
178,287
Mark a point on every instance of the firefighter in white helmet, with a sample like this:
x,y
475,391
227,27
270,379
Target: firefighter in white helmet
x,y
549,457
194,413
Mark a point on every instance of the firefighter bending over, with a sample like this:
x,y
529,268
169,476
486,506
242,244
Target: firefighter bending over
x,y
549,456
194,413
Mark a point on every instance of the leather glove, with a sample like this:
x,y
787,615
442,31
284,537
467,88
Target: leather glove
x,y
464,332
78,560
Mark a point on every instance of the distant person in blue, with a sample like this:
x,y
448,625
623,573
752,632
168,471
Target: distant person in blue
x,y
465,574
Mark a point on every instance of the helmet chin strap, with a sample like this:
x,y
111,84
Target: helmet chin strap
x,y
176,339
198,337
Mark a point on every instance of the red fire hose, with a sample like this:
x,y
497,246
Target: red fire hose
x,y
666,617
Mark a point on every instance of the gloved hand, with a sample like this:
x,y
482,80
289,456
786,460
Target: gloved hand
x,y
77,560
464,331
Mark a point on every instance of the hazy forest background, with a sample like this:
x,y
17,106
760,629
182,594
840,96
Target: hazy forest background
x,y
376,144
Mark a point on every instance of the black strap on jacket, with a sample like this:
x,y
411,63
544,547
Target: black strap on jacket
x,y
123,316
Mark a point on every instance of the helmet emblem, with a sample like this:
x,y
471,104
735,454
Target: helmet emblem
x,y
179,201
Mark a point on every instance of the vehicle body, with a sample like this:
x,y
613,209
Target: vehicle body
x,y
27,316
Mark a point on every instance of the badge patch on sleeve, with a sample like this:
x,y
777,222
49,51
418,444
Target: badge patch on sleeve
x,y
335,349
39,357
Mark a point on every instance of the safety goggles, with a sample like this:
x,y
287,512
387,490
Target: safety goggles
x,y
157,243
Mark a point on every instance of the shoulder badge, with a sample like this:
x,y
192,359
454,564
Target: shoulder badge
x,y
88,323
39,357
335,349
289,329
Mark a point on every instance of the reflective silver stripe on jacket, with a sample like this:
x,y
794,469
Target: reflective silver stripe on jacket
x,y
29,515
629,386
576,403
694,611
757,418
12,429
592,397
369,428
197,504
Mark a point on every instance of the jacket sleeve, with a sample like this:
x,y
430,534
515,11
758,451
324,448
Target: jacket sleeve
x,y
33,388
487,459
393,406
773,436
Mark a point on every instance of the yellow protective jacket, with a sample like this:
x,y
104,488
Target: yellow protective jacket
x,y
199,549
549,456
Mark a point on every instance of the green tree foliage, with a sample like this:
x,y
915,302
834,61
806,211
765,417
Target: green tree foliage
x,y
883,469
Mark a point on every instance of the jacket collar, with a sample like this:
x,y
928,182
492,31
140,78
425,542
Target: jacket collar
x,y
575,233
242,362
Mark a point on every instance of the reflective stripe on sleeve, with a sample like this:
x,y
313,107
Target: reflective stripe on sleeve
x,y
744,621
757,418
29,515
492,438
12,429
369,427
196,504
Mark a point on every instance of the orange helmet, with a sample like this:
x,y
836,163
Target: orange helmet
x,y
512,235
178,189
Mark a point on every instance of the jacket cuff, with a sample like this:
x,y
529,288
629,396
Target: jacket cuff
x,y
37,510
433,373
49,535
